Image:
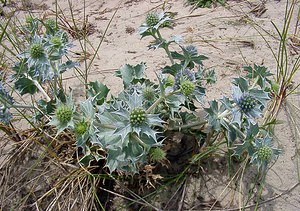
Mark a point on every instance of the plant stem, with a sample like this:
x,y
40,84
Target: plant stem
x,y
166,48
194,124
235,128
255,82
10,131
159,100
40,88
224,114
139,141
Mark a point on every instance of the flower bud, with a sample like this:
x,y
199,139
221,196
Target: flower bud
x,y
265,153
36,51
81,127
152,19
157,154
187,87
137,117
64,114
149,93
246,102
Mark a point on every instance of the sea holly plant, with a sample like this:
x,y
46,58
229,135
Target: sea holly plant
x,y
41,62
128,130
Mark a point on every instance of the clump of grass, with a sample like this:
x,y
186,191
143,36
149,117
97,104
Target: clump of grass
x,y
205,3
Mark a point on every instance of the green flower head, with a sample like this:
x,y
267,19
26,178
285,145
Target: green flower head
x,y
157,154
50,25
149,93
137,117
37,51
56,41
264,152
64,113
152,19
81,127
187,87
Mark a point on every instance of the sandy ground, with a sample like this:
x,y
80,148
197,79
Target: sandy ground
x,y
227,35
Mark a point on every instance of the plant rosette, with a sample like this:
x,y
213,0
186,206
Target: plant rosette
x,y
126,130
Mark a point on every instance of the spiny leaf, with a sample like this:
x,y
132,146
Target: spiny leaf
x,y
25,86
129,73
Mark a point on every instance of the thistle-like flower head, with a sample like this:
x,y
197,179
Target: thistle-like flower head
x,y
56,41
183,75
36,54
157,154
137,117
81,127
187,87
63,115
37,51
264,152
153,22
152,19
246,102
50,25
249,102
192,50
149,93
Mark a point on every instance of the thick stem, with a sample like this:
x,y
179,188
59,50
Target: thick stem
x,y
236,129
224,114
40,88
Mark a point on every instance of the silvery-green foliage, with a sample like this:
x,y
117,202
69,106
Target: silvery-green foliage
x,y
6,102
127,144
264,152
258,145
84,120
151,28
63,117
189,56
124,129
259,73
238,117
147,29
250,101
41,61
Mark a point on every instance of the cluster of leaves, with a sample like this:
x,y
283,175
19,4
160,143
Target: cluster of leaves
x,y
41,62
128,129
237,116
